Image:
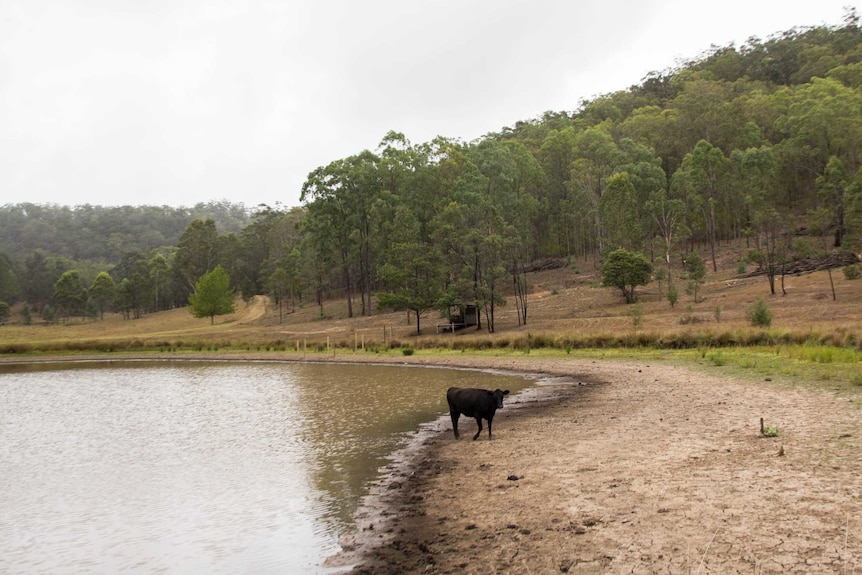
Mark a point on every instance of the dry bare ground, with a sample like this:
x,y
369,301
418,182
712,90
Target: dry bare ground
x,y
627,468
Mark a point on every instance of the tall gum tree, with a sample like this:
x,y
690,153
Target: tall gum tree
x,y
596,155
197,252
701,180
823,121
668,215
341,196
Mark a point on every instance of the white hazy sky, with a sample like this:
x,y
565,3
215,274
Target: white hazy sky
x,y
176,102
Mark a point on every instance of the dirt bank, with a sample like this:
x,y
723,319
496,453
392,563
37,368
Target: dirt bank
x,y
631,468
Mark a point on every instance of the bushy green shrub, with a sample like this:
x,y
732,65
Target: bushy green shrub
x,y
672,295
759,314
852,272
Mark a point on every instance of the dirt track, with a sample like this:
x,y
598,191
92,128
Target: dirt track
x,y
630,469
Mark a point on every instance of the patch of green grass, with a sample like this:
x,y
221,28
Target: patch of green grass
x,y
718,358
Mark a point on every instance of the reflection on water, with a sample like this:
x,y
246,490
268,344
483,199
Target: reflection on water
x,y
199,467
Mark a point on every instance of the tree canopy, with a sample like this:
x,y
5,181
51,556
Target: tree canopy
x,y
746,141
626,270
213,295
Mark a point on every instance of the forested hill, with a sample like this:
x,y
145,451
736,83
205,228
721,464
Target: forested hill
x,y
105,234
760,141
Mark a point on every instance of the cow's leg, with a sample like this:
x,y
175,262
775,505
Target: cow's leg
x,y
490,419
478,421
455,414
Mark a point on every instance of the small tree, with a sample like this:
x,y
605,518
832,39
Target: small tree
x,y
660,275
626,270
759,315
637,313
26,316
4,312
672,295
696,268
213,295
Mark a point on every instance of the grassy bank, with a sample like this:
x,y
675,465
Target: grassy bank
x,y
812,337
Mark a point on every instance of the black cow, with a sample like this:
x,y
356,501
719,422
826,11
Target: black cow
x,y
478,403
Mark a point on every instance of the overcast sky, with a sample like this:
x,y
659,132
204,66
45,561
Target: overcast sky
x,y
176,102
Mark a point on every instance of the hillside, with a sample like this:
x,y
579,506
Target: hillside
x,y
566,307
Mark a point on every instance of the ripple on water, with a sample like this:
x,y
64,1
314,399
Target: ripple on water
x,y
196,467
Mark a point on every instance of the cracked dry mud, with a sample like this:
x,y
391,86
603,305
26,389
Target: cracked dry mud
x,y
628,468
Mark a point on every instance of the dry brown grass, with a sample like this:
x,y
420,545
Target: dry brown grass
x,y
565,309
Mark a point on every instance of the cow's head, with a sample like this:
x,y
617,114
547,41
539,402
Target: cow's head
x,y
498,397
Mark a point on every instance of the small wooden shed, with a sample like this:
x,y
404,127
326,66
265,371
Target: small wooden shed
x,y
460,316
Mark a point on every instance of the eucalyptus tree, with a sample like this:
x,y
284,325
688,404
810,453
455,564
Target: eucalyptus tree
x,y
753,188
470,228
511,210
9,287
339,198
103,291
496,191
668,215
701,180
135,285
819,222
618,207
773,242
457,227
523,216
838,195
704,111
286,281
595,157
69,294
231,256
197,252
645,174
412,272
270,236
755,173
292,266
255,264
409,179
655,127
554,233
160,278
821,123
319,267
277,286
38,278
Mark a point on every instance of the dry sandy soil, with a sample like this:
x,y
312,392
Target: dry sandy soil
x,y
627,468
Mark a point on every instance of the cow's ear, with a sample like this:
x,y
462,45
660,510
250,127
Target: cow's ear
x,y
506,392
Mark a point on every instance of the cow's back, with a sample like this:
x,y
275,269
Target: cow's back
x,y
470,402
